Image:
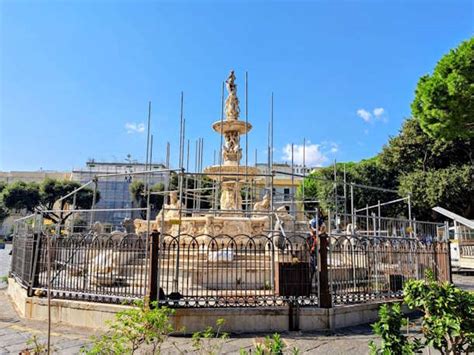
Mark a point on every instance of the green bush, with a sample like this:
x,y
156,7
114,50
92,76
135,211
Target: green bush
x,y
210,341
389,329
133,328
447,325
448,321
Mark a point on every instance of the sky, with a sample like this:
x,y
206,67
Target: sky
x,y
76,76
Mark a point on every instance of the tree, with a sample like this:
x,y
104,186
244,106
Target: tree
x,y
138,194
192,183
412,149
21,196
319,186
451,188
33,197
3,210
444,100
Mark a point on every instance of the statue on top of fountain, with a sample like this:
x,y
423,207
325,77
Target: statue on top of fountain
x,y
232,109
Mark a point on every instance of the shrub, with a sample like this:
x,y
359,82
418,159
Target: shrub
x,y
132,328
389,329
448,321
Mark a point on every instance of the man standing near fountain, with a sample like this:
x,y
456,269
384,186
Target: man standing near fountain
x,y
316,227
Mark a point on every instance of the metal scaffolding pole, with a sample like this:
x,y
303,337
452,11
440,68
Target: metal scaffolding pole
x,y
345,197
201,154
267,182
187,178
246,141
180,181
167,155
292,207
221,144
147,183
352,207
335,189
148,208
271,135
181,121
196,169
304,171
94,198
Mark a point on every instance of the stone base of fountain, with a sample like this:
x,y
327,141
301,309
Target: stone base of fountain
x,y
209,226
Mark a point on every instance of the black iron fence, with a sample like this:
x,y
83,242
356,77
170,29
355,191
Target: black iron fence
x,y
362,269
222,271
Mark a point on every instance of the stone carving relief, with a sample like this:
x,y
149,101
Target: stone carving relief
x,y
232,151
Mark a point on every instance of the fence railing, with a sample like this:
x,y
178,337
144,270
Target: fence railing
x,y
362,269
374,226
222,271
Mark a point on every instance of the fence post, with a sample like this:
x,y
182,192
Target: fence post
x,y
33,281
325,300
449,268
153,265
435,257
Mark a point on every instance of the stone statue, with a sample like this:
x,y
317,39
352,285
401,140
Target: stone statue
x,y
172,209
263,205
97,228
128,225
232,151
230,196
232,109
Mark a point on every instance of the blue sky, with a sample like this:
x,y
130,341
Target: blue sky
x,y
76,76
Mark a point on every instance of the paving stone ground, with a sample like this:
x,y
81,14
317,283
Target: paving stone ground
x,y
15,331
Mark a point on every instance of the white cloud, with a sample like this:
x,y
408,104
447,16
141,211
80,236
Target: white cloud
x,y
379,111
314,154
333,147
133,127
365,115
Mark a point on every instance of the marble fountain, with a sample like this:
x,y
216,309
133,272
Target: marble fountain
x,y
230,219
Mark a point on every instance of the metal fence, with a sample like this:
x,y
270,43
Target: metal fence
x,y
234,271
221,271
363,269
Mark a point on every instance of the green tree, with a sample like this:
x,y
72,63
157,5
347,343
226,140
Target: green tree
x,y
192,184
412,149
139,196
3,210
444,101
42,197
21,196
319,186
451,188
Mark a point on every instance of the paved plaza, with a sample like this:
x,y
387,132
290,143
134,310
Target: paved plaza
x,y
15,331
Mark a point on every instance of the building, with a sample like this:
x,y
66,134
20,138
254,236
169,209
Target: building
x,y
32,176
113,184
284,184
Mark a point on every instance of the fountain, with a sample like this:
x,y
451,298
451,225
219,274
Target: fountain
x,y
229,218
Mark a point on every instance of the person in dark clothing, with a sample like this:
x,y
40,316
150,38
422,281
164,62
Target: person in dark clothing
x,y
316,226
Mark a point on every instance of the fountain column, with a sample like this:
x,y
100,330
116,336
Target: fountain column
x,y
231,128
